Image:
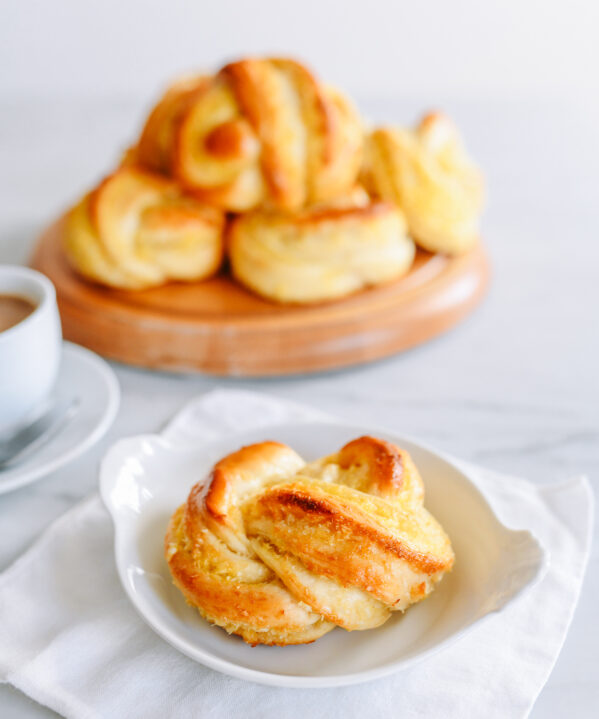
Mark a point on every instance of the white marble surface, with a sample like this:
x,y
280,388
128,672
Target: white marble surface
x,y
515,387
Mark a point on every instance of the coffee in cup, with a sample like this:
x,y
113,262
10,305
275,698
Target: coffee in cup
x,y
30,343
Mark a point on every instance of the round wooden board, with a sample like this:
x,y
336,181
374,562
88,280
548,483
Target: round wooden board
x,y
220,328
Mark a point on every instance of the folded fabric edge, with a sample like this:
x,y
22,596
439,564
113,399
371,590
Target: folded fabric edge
x,y
184,417
588,499
54,526
489,478
51,696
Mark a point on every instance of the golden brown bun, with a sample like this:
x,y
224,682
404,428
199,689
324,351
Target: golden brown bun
x,y
319,254
137,230
427,173
214,565
155,146
260,133
280,552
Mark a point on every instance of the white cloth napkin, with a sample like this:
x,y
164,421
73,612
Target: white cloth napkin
x,y
70,639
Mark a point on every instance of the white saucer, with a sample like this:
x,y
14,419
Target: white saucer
x,y
85,376
494,564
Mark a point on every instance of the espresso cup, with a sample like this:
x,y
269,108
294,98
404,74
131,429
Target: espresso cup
x,y
29,350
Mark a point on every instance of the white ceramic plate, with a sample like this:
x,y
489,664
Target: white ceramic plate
x,y
143,479
85,376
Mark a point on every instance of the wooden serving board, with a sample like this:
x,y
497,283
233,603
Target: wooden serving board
x,y
220,328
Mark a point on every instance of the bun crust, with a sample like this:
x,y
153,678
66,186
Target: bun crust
x,y
260,133
213,564
155,147
262,161
319,254
280,552
427,173
136,230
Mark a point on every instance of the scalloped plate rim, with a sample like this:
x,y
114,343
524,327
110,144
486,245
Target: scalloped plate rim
x,y
122,448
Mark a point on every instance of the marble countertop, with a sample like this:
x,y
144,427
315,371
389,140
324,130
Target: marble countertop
x,y
514,387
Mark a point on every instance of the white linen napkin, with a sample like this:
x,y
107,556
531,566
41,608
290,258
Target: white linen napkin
x,y
70,639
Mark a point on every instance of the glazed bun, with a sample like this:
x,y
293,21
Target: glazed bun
x,y
319,254
260,133
280,551
427,173
136,230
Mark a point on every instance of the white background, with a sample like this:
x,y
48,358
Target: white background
x,y
515,386
373,48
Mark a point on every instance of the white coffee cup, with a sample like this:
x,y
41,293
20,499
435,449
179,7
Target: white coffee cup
x,y
30,350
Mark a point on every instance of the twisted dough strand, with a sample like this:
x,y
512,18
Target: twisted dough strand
x,y
322,253
428,175
280,551
260,133
212,561
137,230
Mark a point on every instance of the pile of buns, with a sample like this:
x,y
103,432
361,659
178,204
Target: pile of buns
x,y
280,552
262,164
